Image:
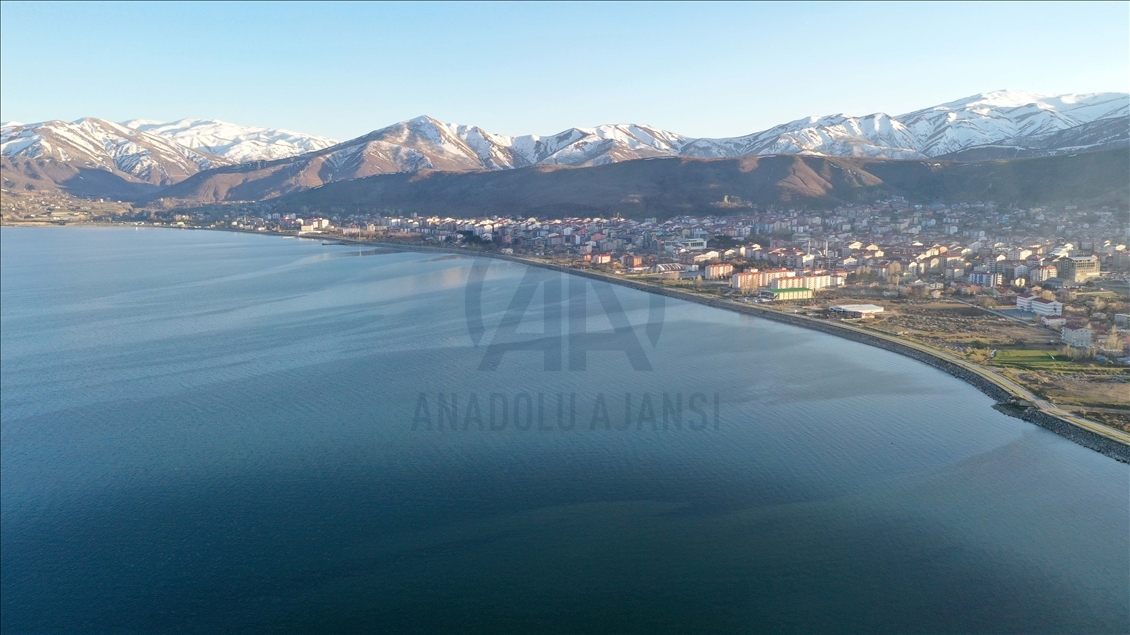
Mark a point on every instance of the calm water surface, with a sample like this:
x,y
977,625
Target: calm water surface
x,y
214,432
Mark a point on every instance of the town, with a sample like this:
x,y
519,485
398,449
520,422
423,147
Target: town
x,y
1062,269
1038,295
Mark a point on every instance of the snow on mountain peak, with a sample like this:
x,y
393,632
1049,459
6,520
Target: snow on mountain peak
x,y
981,119
232,141
93,143
159,153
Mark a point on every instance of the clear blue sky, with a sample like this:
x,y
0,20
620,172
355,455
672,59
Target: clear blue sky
x,y
341,70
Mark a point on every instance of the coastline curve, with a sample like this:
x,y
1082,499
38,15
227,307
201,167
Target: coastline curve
x,y
1011,399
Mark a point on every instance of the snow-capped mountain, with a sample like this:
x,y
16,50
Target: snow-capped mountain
x,y
233,142
424,143
92,143
981,120
1020,123
991,117
999,124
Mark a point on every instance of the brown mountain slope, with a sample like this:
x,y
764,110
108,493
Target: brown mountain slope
x,y
23,174
676,182
647,187
1091,177
666,187
406,147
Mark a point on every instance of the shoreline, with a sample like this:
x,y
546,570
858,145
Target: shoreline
x,y
1012,399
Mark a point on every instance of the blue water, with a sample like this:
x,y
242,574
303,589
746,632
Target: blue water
x,y
214,432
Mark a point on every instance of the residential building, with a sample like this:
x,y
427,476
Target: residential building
x,y
1041,306
1079,338
1039,274
1054,321
745,281
987,279
1079,268
719,271
799,293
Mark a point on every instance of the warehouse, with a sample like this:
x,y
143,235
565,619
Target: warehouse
x,y
856,310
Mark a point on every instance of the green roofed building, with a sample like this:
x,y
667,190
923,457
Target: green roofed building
x,y
796,293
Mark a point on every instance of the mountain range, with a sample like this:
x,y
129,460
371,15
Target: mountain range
x,y
208,161
672,186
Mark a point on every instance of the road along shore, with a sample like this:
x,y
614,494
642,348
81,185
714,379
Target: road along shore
x,y
1013,399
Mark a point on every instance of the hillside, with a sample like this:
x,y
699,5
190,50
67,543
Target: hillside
x,y
45,175
672,186
205,161
66,155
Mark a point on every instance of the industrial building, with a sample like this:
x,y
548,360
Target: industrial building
x,y
856,310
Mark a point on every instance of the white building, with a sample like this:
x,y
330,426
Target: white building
x,y
745,280
1053,321
1041,306
857,310
1038,305
1079,338
986,279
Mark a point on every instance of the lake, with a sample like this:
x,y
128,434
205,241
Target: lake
x,y
220,432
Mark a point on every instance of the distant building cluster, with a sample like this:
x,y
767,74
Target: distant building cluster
x,y
1033,260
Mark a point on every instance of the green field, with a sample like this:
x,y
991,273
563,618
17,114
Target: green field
x,y
1032,360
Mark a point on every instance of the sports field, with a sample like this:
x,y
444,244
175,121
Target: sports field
x,y
1031,360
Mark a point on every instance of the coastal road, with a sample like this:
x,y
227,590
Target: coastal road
x,y
1009,386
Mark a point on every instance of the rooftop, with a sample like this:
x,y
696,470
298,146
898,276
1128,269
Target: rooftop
x,y
856,308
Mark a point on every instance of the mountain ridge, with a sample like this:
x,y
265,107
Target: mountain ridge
x,y
998,124
672,186
232,141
